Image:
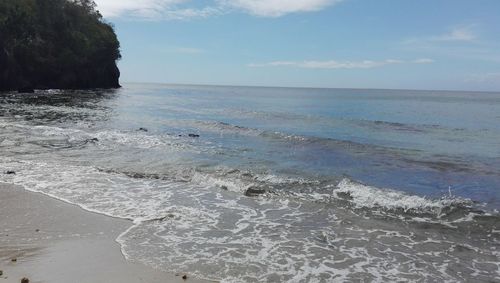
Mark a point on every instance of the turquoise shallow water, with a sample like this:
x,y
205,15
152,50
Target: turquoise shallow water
x,y
358,184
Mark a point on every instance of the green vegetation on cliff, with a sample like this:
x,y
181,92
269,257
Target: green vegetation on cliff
x,y
56,44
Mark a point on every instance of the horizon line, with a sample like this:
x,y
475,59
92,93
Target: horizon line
x,y
311,87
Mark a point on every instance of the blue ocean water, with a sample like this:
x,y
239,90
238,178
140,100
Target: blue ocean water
x,y
351,184
423,142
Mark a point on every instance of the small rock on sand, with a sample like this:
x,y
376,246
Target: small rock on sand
x,y
25,280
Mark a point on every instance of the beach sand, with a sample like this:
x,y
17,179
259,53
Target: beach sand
x,y
52,241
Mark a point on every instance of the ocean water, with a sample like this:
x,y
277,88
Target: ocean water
x,y
356,185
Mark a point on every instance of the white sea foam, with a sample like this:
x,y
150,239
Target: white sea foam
x,y
231,184
111,194
107,138
194,227
373,197
283,180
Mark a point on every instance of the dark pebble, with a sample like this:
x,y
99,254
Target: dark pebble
x,y
193,136
10,173
25,280
143,129
184,277
253,192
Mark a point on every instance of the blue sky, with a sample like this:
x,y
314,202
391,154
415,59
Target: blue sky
x,y
424,44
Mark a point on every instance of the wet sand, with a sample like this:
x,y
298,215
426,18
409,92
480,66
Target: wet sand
x,y
52,241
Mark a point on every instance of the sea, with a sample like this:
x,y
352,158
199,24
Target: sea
x,y
257,184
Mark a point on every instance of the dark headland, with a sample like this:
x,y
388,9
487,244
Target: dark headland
x,y
56,44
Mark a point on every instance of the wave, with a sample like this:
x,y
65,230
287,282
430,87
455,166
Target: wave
x,y
334,122
345,193
395,126
405,156
65,138
225,128
74,138
185,224
363,196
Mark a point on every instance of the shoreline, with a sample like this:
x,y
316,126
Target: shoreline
x,y
54,241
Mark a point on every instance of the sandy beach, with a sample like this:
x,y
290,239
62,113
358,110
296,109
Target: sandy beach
x,y
47,240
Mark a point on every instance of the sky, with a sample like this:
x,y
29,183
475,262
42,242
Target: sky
x,y
402,44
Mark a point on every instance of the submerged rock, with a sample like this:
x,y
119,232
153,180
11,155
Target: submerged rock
x,y
254,192
166,217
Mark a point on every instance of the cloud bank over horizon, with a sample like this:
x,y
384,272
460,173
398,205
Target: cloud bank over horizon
x,y
187,9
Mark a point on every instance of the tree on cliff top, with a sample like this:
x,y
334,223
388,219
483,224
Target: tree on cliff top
x,y
56,44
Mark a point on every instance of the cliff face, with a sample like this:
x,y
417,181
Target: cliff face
x,y
61,44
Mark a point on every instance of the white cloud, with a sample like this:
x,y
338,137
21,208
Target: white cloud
x,y
332,64
459,43
189,13
464,33
423,61
114,8
153,9
186,9
277,8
